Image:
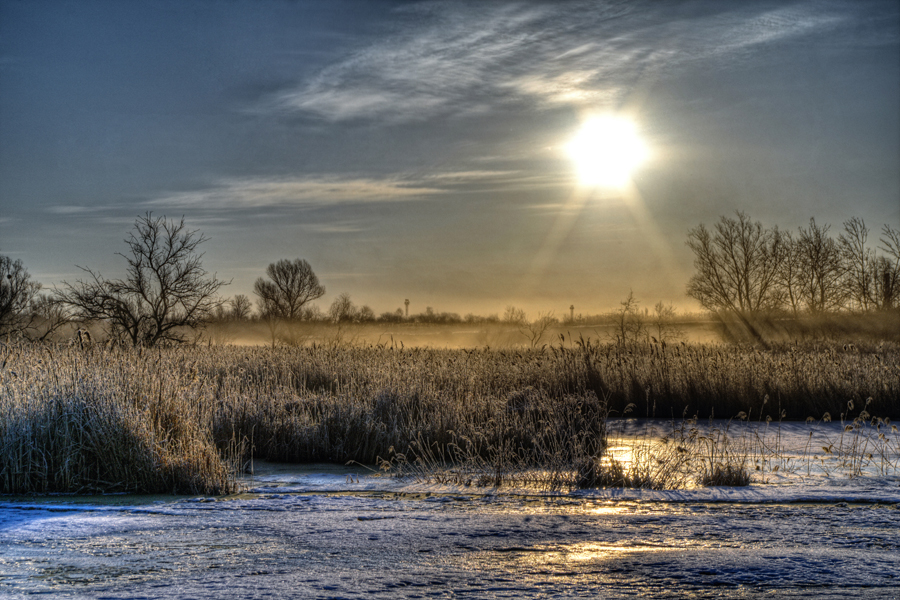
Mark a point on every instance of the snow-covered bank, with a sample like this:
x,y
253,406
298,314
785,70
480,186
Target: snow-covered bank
x,y
345,532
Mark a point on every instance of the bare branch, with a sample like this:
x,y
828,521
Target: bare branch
x,y
165,290
859,264
535,331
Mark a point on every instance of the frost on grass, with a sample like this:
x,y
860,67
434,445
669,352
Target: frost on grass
x,y
189,419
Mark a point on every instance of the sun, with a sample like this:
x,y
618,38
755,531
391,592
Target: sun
x,y
606,151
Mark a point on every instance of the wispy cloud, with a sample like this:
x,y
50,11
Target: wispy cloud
x,y
468,176
451,57
297,192
71,209
336,227
480,180
332,190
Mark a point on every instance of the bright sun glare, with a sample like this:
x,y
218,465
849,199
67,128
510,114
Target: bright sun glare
x,y
606,151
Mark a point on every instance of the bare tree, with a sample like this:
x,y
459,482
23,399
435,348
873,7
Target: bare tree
x,y
291,285
887,270
664,324
165,289
737,266
629,322
790,277
17,295
219,313
858,263
821,286
342,309
535,331
891,240
48,315
886,283
240,308
514,316
365,314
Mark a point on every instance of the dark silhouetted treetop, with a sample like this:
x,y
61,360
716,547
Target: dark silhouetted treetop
x,y
291,285
165,290
737,265
17,293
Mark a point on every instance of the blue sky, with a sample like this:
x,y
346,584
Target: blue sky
x,y
415,149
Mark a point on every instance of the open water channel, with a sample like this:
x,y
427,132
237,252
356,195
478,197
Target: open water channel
x,y
334,532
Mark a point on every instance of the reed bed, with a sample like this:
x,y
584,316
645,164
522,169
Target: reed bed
x,y
104,420
784,381
193,416
187,419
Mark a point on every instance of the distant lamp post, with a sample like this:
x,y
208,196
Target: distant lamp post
x,y
572,313
406,302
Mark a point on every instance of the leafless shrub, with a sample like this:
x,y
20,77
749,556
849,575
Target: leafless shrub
x,y
665,325
514,316
534,331
629,325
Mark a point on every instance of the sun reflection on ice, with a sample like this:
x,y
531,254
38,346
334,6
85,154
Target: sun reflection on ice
x,y
624,454
585,552
608,509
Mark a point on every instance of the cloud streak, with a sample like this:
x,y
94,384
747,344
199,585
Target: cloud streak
x,y
333,190
296,192
460,58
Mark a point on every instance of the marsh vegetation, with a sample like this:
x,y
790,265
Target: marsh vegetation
x,y
157,399
104,417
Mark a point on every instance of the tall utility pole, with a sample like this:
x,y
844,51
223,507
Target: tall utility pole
x,y
572,314
406,302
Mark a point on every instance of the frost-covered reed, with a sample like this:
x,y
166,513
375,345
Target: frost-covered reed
x,y
104,420
791,381
183,419
90,417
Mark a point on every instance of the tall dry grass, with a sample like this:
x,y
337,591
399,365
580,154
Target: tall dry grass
x,y
104,420
786,381
184,419
362,404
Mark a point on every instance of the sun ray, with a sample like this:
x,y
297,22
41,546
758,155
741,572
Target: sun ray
x,y
606,150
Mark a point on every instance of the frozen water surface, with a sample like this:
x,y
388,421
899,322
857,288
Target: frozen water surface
x,y
322,533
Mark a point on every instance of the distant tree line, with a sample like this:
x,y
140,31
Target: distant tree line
x,y
742,269
745,269
166,293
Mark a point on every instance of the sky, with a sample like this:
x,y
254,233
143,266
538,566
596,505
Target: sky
x,y
418,149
